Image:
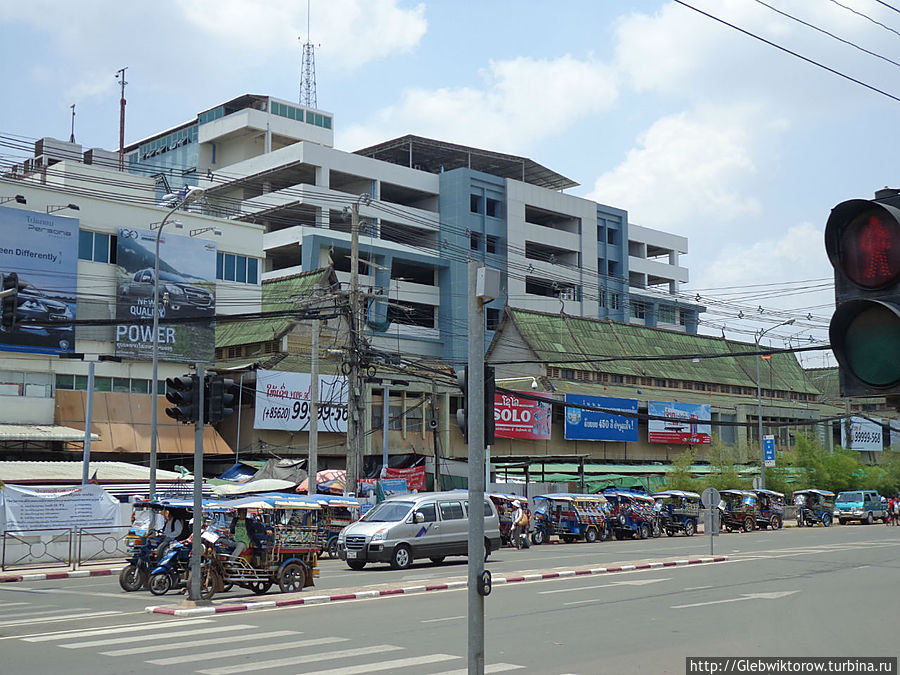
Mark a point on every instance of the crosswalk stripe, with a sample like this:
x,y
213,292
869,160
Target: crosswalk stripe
x,y
147,649
15,604
56,619
158,636
295,660
93,632
490,668
23,614
388,665
244,651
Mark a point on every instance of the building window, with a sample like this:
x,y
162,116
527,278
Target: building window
x,y
492,244
97,246
602,297
611,237
395,418
377,415
666,314
239,268
414,417
475,241
616,379
492,208
411,314
615,301
492,319
474,203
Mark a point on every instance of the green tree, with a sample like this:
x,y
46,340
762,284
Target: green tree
x,y
725,472
680,477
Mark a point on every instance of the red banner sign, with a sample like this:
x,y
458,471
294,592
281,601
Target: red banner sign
x,y
522,418
415,476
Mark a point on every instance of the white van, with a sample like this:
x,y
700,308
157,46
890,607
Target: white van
x,y
425,525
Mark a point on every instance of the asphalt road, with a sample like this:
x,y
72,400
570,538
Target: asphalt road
x,y
796,592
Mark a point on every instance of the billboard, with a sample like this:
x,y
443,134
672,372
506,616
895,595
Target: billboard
x,y
283,401
521,418
43,251
187,290
683,423
593,425
862,434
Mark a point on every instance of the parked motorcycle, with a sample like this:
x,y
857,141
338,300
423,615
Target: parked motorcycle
x,y
136,574
171,571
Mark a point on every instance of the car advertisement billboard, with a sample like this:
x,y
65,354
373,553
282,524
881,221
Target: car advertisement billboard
x,y
283,401
43,251
594,425
682,423
187,290
521,418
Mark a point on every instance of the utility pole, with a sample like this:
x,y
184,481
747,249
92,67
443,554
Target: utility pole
x,y
120,75
312,464
354,396
436,438
72,135
196,551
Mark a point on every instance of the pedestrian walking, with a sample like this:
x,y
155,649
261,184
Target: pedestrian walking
x,y
895,511
519,520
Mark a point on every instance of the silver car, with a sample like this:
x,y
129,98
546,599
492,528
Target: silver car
x,y
402,528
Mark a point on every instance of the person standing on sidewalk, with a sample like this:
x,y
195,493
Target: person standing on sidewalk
x,y
517,521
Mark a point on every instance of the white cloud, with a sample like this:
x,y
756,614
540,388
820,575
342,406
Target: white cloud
x,y
523,102
688,169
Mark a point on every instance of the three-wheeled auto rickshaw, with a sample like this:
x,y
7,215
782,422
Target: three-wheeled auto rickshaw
x,y
770,508
337,512
632,514
739,510
288,555
571,517
678,511
813,506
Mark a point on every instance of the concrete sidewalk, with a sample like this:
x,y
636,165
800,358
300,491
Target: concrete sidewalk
x,y
98,568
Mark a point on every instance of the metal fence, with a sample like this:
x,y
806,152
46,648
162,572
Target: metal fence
x,y
56,547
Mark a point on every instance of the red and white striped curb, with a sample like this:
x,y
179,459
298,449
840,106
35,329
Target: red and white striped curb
x,y
45,576
409,590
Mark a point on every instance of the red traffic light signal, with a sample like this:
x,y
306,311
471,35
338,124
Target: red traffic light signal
x,y
862,239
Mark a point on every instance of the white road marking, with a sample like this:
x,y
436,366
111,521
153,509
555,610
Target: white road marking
x,y
244,651
148,649
389,665
449,618
56,619
145,638
744,596
490,668
697,588
91,632
309,658
636,582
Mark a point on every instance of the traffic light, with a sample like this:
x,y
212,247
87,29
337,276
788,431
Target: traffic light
x,y
9,305
184,392
862,239
462,414
219,397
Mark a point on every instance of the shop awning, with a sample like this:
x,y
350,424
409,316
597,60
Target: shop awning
x,y
42,432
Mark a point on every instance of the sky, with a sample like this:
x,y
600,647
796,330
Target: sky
x,y
692,126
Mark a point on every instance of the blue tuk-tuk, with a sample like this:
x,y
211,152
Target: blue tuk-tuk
x,y
814,506
571,517
632,513
770,508
678,511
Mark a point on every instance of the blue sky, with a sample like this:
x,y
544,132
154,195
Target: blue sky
x,y
692,126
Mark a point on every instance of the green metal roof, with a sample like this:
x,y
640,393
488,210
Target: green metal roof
x,y
584,344
277,295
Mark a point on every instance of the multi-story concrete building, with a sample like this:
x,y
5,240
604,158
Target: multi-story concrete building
x,y
427,207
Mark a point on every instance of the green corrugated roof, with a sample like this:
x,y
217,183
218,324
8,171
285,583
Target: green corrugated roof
x,y
582,344
277,295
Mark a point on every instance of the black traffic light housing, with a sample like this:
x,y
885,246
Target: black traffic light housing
x,y
9,304
862,239
218,398
462,413
184,393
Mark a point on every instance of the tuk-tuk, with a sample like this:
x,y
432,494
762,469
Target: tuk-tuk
x,y
632,513
505,503
288,555
571,517
145,538
678,511
770,505
813,506
739,509
337,512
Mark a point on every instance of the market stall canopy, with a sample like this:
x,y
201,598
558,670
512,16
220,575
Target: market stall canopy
x,y
42,432
254,486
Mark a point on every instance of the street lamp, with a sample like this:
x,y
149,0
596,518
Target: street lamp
x,y
192,194
762,453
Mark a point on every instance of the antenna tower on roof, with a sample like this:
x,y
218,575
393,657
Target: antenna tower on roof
x,y
308,69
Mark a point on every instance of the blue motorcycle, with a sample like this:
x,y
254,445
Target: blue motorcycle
x,y
171,571
135,575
